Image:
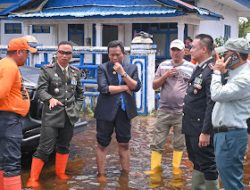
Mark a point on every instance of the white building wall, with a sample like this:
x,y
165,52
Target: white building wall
x,y
5,38
48,39
216,28
62,32
128,34
88,58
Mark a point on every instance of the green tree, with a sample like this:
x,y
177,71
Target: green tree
x,y
244,27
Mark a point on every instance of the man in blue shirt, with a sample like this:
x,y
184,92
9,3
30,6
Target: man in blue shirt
x,y
230,89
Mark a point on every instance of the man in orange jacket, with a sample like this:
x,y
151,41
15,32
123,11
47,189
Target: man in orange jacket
x,y
14,104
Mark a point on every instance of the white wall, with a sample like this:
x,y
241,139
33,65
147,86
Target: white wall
x,y
128,34
62,32
46,38
5,38
216,28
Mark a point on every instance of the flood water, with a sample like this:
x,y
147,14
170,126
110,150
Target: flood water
x,y
82,165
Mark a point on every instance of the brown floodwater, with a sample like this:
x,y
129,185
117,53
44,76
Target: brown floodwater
x,y
82,164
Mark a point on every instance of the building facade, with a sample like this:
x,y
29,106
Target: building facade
x,y
95,23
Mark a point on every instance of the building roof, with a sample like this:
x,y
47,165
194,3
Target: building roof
x,y
104,9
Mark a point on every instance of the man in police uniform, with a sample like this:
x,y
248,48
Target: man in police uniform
x,y
60,89
197,110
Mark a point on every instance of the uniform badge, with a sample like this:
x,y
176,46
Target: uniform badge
x,y
197,83
56,90
73,81
210,65
114,73
195,91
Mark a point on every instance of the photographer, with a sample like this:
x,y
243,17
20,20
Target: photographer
x,y
230,89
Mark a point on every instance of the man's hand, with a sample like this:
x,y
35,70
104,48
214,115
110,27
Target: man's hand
x,y
54,102
170,73
128,90
220,64
118,68
204,140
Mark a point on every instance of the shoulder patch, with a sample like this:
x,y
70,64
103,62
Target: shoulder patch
x,y
210,65
74,68
49,65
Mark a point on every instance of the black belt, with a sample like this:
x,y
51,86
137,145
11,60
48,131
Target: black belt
x,y
225,129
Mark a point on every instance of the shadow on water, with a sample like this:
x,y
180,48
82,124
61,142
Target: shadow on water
x,y
82,164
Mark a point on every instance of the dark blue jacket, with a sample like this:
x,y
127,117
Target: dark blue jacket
x,y
198,105
107,104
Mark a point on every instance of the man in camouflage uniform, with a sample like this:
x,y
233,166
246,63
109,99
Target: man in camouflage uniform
x,y
60,89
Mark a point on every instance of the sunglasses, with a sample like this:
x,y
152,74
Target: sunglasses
x,y
64,52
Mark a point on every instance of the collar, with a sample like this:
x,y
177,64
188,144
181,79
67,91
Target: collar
x,y
62,68
204,63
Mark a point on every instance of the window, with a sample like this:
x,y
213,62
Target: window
x,y
227,32
40,29
76,33
12,28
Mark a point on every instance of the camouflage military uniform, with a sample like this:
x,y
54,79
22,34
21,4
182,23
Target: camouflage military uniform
x,y
57,123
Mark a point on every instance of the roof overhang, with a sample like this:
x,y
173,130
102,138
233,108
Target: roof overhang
x,y
202,12
102,12
14,7
241,6
153,8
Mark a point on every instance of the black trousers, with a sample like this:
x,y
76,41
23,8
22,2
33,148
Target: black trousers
x,y
10,143
202,158
53,138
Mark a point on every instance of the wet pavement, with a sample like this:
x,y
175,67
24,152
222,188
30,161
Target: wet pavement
x,y
82,164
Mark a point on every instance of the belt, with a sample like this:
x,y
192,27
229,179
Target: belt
x,y
225,129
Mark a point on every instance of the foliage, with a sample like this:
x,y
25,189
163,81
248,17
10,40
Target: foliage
x,y
219,41
244,27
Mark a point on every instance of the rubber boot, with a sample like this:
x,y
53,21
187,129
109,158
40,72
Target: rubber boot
x,y
36,168
1,179
156,180
61,163
12,183
155,163
176,162
198,180
177,182
212,184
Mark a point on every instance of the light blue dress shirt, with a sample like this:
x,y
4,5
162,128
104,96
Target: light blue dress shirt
x,y
232,107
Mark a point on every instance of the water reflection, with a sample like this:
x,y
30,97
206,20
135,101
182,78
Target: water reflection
x,y
82,165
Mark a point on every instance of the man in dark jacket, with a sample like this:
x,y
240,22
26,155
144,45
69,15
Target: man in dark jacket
x,y
196,123
60,89
116,106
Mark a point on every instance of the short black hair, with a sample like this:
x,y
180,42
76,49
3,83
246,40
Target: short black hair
x,y
65,43
207,41
188,38
243,56
116,43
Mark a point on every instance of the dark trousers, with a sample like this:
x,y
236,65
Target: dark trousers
x,y
202,158
54,138
121,125
10,143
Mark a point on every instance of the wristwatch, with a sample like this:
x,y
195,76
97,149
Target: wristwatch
x,y
124,75
217,72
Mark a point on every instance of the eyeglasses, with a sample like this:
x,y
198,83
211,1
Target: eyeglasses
x,y
26,51
64,52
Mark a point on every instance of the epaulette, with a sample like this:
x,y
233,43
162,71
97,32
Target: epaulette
x,y
74,68
49,65
211,65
